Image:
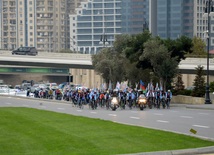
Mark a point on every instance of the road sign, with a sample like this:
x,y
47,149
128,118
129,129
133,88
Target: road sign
x,y
193,131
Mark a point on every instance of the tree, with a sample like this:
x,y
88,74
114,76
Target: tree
x,y
135,47
199,47
163,65
199,82
179,84
109,65
179,47
120,42
134,74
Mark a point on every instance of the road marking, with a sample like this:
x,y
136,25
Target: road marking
x,y
157,114
186,117
79,110
162,121
94,112
24,105
135,117
112,115
203,113
7,103
201,126
134,112
61,108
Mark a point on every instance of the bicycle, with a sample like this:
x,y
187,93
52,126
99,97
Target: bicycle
x,y
168,103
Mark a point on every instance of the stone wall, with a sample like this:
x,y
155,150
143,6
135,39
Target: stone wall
x,y
188,99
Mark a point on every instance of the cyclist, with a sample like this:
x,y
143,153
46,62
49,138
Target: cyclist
x,y
108,99
130,98
150,96
168,98
158,97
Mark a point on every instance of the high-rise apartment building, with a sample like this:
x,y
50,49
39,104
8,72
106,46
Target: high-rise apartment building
x,y
41,23
98,20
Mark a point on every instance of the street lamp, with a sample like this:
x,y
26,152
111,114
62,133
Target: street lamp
x,y
208,12
104,40
145,26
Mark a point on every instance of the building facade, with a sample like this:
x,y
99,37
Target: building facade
x,y
98,21
44,24
173,18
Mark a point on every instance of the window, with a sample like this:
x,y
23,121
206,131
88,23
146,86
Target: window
x,y
30,8
20,21
30,2
73,24
73,18
31,21
73,37
20,3
31,39
31,33
56,15
20,15
20,9
31,15
74,31
31,27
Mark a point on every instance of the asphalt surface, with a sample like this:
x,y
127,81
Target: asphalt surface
x,y
177,119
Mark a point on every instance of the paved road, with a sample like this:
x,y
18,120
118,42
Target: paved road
x,y
176,119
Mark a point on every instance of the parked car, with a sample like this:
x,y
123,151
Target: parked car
x,y
17,87
26,86
27,50
4,91
34,87
190,88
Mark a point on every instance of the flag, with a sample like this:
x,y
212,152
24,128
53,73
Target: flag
x,y
118,85
136,84
109,84
161,87
124,86
142,85
156,86
151,86
103,86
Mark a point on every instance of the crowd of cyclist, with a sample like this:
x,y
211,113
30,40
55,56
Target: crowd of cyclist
x,y
102,98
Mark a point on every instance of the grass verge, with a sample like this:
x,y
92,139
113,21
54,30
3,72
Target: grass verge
x,y
32,131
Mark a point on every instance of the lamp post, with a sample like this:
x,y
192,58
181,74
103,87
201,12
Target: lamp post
x,y
145,26
104,40
208,12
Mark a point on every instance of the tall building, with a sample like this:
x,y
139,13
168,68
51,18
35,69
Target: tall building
x,y
173,18
98,20
40,23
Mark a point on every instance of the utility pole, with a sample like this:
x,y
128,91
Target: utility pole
x,y
49,42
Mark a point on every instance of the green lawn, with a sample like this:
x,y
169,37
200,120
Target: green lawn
x,y
32,131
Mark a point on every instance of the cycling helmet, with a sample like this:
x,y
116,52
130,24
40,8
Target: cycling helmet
x,y
168,90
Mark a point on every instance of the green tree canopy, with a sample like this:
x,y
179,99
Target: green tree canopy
x,y
109,65
198,46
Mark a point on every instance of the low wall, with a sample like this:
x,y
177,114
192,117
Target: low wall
x,y
188,99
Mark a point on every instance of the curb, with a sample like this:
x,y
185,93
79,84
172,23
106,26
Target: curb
x,y
37,99
197,107
180,152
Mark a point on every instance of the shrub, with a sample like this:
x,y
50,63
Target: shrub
x,y
212,86
66,51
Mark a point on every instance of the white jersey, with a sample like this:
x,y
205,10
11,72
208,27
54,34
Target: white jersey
x,y
150,94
